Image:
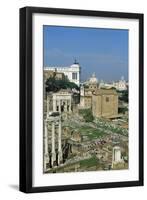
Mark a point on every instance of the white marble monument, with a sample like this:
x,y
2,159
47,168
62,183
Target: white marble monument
x,y
72,72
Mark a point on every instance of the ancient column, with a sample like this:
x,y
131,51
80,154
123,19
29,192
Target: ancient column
x,y
59,143
46,153
65,106
116,155
59,105
47,104
70,105
53,159
54,104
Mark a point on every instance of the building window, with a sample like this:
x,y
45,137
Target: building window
x,y
74,76
107,99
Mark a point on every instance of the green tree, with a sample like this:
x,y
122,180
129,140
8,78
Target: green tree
x,y
55,85
123,96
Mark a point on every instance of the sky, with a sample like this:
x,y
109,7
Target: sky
x,y
100,51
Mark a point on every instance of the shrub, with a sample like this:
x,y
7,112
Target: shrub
x,y
55,85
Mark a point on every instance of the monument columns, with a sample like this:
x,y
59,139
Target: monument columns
x,y
70,105
59,143
53,145
46,153
46,138
59,105
54,104
47,104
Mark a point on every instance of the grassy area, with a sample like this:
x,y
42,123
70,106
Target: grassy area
x,y
89,162
101,128
91,133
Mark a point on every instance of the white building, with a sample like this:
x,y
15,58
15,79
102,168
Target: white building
x,y
72,72
121,85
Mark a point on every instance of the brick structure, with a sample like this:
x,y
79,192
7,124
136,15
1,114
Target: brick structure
x,y
102,102
105,103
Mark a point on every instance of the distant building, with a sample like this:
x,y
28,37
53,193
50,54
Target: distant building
x,y
102,102
72,72
86,91
121,85
92,83
101,84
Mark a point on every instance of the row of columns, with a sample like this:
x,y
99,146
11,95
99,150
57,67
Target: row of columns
x,y
50,159
65,103
53,150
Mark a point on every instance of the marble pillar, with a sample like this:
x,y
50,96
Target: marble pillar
x,y
70,105
116,155
47,105
59,103
53,159
65,106
46,153
59,143
54,105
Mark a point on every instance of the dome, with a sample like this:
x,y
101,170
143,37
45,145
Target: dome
x,y
93,79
